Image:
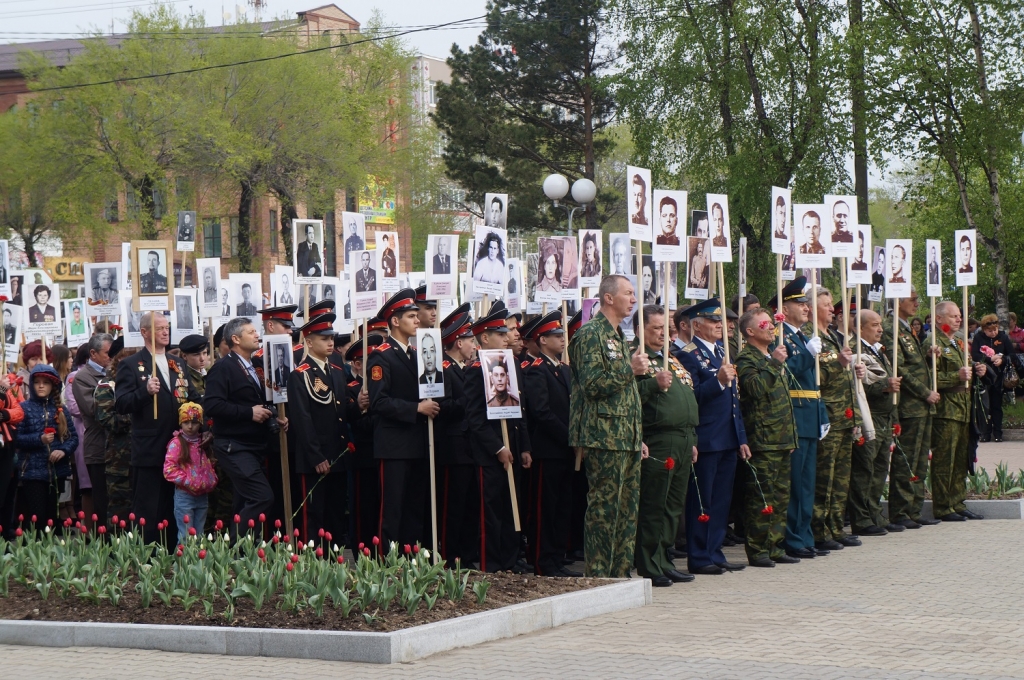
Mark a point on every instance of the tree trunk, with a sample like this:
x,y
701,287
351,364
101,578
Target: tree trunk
x,y
288,213
858,108
147,214
244,253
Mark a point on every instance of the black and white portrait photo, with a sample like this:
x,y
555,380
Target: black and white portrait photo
x,y
365,275
721,238
965,241
441,272
698,276
814,248
933,249
877,275
549,270
782,233
441,262
101,281
186,241
501,388
183,312
897,284
621,254
185,319
860,266
496,210
5,268
638,196
12,319
387,260
489,260
669,226
354,225
428,363
277,366
839,227
648,292
699,224
152,262
307,238
590,257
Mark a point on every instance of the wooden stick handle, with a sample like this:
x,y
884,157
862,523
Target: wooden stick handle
x,y
846,302
668,318
286,475
639,278
152,334
814,311
778,285
433,490
725,319
935,368
895,340
963,329
511,477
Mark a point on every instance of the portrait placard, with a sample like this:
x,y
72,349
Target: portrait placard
x,y
877,275
620,253
152,287
354,225
698,273
101,291
840,218
650,288
591,243
246,296
186,239
514,285
859,268
721,237
530,273
813,249
670,227
743,267
125,283
897,276
442,266
278,363
77,328
627,324
131,320
12,331
387,261
699,225
428,362
307,239
638,193
185,320
42,310
364,282
591,306
488,259
933,256
966,244
5,268
17,287
496,211
501,384
282,286
343,310
671,270
549,270
782,221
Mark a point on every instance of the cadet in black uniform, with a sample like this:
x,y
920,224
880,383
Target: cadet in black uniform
x,y
364,480
457,492
318,403
499,542
320,308
400,425
547,394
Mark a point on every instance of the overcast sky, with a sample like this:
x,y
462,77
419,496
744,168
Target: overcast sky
x,y
26,20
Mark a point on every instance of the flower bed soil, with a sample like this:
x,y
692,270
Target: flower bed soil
x,y
506,589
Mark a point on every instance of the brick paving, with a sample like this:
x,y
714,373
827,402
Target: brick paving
x,y
939,602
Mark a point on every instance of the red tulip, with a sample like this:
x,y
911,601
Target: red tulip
x,y
95,517
376,541
238,519
202,554
320,533
287,538
219,525
407,548
21,518
341,559
366,551
263,518
102,529
767,510
81,515
703,518
296,532
319,552
275,539
848,413
295,558
114,519
327,535
185,518
180,551
191,531
261,554
84,530
122,524
49,522
33,519
670,463
131,516
18,532
252,523
289,566
142,521
416,548
361,546
277,524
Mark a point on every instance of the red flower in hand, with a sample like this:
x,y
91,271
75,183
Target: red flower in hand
x,y
3,298
848,413
767,510
988,351
860,442
49,430
703,517
946,328
915,478
670,463
779,317
897,429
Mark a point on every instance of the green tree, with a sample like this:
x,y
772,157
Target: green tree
x,y
529,99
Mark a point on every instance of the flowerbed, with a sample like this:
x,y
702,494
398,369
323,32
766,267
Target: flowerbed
x,y
71,574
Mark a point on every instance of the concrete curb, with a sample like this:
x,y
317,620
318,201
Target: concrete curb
x,y
396,647
1000,509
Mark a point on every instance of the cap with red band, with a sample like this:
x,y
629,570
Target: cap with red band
x,y
575,323
421,297
495,321
550,324
319,309
323,324
282,314
402,301
356,350
376,324
458,324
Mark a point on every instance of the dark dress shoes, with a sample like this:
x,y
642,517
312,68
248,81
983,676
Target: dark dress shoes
x,y
927,522
828,545
569,573
710,569
872,531
762,562
970,515
802,553
730,566
678,576
661,581
820,552
850,541
908,524
895,528
786,559
953,517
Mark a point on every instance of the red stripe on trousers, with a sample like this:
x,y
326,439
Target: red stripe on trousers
x,y
483,530
380,518
305,515
540,488
444,517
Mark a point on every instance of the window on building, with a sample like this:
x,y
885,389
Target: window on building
x,y
329,245
234,237
159,200
275,231
110,208
432,92
211,237
132,205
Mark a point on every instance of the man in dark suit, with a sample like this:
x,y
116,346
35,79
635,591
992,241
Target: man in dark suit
x,y
153,281
236,401
430,375
354,241
859,265
442,261
307,260
364,503
281,372
547,387
225,308
933,267
246,307
400,430
366,278
721,440
638,200
965,255
135,385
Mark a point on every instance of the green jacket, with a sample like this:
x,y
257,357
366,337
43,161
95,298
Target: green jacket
x,y
765,402
604,405
955,403
836,384
671,411
914,367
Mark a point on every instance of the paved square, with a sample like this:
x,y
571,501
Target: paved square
x,y
937,602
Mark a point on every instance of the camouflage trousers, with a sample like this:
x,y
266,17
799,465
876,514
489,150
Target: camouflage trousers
x,y
909,460
609,533
832,484
119,495
949,466
662,499
869,466
766,532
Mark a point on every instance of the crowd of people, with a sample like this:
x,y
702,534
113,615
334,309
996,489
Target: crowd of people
x,y
625,458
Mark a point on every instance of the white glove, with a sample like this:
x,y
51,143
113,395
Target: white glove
x,y
814,345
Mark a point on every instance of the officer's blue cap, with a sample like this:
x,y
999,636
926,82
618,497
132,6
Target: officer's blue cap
x,y
793,292
709,309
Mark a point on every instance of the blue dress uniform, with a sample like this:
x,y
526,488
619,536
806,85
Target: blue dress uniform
x,y
811,425
719,437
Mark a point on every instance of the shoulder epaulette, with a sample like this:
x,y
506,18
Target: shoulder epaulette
x,y
354,383
302,367
690,347
381,347
446,364
524,364
536,362
297,347
476,364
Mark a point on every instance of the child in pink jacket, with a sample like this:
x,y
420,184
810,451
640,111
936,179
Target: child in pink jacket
x,y
188,466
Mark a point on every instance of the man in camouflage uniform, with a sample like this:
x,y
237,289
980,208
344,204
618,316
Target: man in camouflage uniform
x,y
119,431
871,459
952,417
771,428
835,450
605,422
669,421
909,464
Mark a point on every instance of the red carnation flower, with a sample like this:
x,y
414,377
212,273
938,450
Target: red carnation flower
x,y
780,317
703,518
670,463
848,413
946,328
897,430
767,510
915,478
49,430
860,442
3,298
